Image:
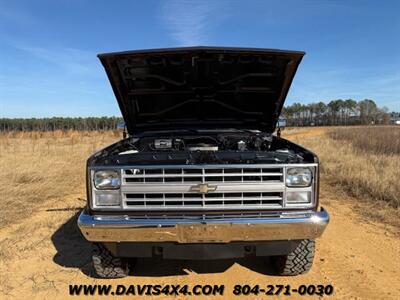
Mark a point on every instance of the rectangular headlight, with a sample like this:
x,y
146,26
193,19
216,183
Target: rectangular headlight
x,y
299,177
107,180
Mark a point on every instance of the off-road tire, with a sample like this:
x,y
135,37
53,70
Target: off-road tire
x,y
106,265
297,262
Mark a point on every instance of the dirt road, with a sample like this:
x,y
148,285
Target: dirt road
x,y
44,253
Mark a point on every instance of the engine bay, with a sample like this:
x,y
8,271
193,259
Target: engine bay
x,y
202,147
202,142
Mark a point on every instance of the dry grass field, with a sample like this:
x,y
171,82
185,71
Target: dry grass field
x,y
42,177
372,162
38,166
363,162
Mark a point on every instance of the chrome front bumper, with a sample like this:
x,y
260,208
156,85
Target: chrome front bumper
x,y
100,228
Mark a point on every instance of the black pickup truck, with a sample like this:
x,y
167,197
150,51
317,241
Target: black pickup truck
x,y
201,174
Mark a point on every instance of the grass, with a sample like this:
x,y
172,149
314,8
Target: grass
x,y
38,166
380,140
363,161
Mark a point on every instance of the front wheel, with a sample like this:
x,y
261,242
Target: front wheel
x,y
297,262
108,266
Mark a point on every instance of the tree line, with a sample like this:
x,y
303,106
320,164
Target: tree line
x,y
56,123
336,112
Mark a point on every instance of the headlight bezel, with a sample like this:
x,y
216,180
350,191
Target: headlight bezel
x,y
309,190
113,189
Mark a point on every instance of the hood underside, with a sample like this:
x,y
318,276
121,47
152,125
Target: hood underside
x,y
201,87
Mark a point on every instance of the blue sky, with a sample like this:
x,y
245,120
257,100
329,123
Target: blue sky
x,y
48,63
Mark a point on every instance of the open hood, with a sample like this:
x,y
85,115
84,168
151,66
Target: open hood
x,y
201,87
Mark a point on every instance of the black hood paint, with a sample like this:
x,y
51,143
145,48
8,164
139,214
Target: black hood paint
x,y
201,87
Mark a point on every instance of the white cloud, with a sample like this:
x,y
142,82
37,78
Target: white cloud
x,y
191,21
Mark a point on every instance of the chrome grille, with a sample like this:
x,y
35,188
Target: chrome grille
x,y
202,175
226,200
247,187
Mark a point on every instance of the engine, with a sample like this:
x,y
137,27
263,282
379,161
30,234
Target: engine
x,y
193,143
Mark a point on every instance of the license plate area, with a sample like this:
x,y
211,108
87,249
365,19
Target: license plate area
x,y
203,233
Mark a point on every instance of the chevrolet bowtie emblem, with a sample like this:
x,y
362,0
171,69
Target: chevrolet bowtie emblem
x,y
203,188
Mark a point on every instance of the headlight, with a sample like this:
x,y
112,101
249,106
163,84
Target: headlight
x,y
107,180
298,177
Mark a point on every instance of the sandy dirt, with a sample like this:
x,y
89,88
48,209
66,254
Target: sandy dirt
x,y
44,253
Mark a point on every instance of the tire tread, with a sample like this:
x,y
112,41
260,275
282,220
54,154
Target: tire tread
x,y
106,265
299,261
